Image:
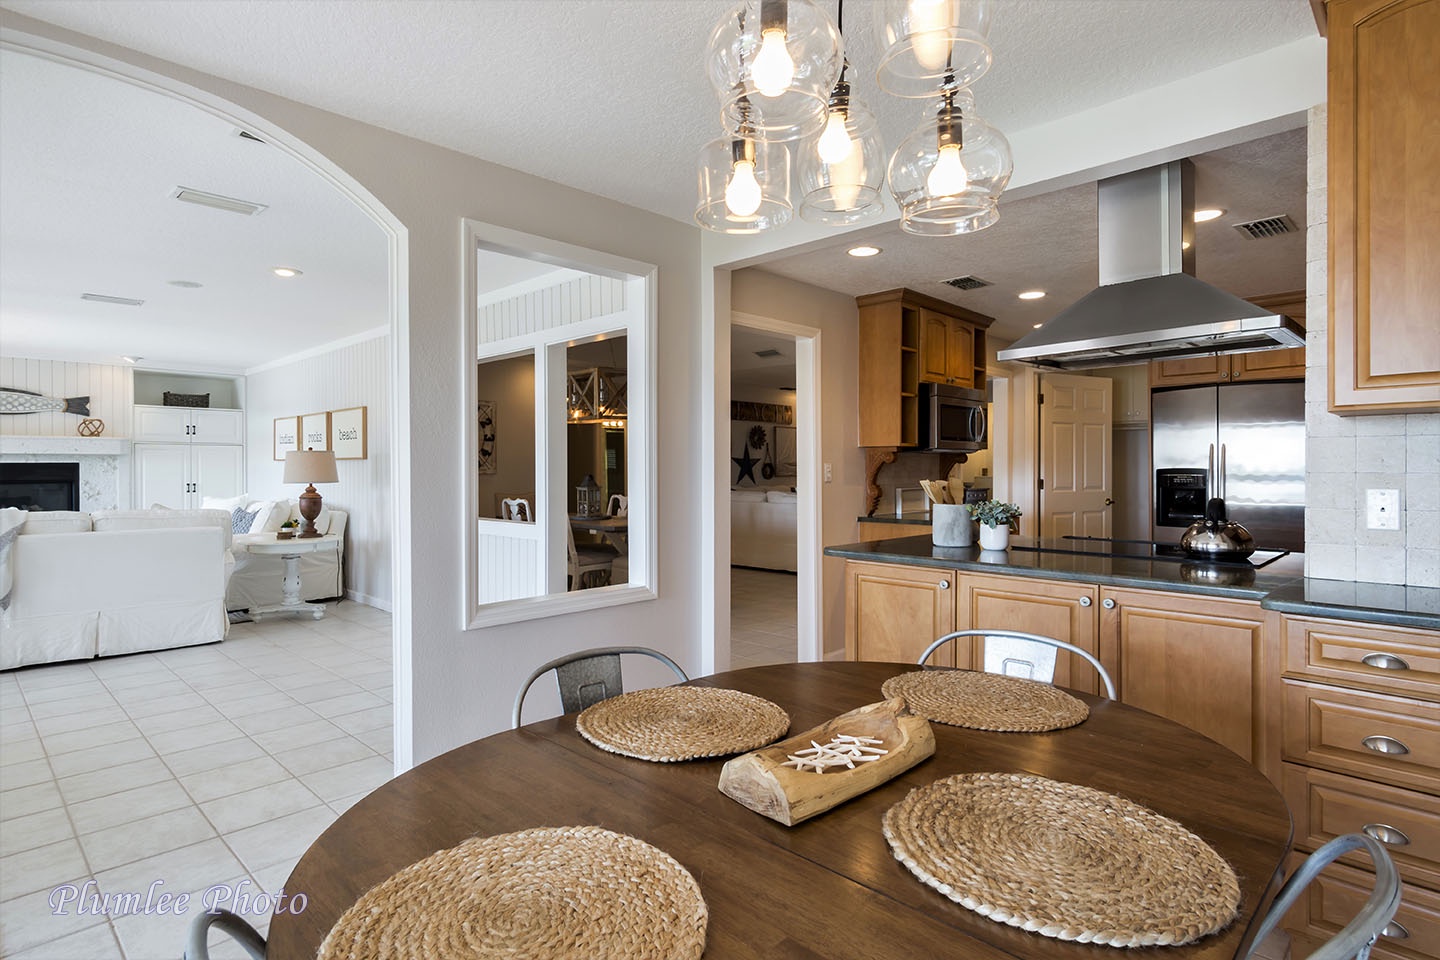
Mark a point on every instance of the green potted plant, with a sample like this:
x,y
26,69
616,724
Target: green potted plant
x,y
287,530
996,519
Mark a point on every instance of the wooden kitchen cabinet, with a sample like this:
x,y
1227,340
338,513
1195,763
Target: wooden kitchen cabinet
x,y
1061,609
1384,210
1361,740
1206,662
905,338
1284,364
892,613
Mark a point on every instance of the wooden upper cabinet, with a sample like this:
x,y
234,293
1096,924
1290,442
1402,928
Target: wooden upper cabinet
x,y
905,338
1284,364
1384,207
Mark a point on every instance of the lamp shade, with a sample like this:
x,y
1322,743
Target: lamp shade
x,y
930,41
311,466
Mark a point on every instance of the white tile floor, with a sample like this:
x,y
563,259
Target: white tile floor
x,y
763,617
192,767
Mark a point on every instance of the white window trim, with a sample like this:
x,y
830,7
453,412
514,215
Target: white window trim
x,y
641,482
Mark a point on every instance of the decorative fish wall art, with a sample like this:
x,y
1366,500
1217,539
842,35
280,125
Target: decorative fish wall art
x,y
13,401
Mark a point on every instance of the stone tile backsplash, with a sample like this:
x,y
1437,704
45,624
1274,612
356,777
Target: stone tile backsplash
x,y
1346,456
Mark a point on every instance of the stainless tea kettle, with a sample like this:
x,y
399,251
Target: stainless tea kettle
x,y
1216,537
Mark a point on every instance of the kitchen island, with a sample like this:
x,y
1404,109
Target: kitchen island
x,y
1330,688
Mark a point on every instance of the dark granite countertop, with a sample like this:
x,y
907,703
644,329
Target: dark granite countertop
x,y
1280,585
912,517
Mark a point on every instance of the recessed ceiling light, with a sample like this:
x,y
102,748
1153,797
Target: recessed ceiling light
x,y
186,284
1032,295
1039,325
864,250
1210,213
286,272
132,359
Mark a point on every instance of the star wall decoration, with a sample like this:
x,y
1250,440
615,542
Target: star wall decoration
x,y
747,465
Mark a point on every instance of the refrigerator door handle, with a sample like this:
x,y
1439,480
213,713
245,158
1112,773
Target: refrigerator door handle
x,y
1221,494
1210,482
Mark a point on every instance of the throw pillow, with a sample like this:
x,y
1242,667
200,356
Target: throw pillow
x,y
227,504
241,519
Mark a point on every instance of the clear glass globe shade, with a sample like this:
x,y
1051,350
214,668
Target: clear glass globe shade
x,y
747,70
743,196
927,42
849,189
922,177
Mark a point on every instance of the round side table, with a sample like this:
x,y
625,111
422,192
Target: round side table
x,y
290,551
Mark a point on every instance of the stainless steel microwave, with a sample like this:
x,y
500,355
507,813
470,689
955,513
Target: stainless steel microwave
x,y
952,418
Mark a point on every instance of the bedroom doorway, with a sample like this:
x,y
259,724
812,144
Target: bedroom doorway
x,y
773,510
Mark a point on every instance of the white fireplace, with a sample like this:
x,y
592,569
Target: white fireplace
x,y
104,465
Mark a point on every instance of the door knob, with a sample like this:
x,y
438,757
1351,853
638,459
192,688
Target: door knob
x,y
1109,502
1084,601
1108,603
944,584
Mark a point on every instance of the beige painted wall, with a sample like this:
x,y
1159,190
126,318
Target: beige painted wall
x,y
767,295
510,383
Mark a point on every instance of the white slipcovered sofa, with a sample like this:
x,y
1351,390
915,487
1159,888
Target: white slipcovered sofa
x,y
762,528
257,578
117,581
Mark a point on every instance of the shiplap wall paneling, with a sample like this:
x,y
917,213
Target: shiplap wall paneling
x,y
110,389
352,376
558,306
509,565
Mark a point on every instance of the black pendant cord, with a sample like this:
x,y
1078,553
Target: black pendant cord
x,y
840,28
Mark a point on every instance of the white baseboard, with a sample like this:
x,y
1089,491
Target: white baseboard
x,y
368,600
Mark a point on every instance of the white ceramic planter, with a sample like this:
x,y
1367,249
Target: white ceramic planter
x,y
994,538
951,525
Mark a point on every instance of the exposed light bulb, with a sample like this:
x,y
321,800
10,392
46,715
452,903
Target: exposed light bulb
x,y
773,68
846,178
948,176
742,193
835,143
929,32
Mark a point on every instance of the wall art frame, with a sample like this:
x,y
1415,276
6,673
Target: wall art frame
x,y
349,433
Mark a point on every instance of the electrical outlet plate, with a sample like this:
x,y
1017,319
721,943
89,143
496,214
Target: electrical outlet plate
x,y
1382,509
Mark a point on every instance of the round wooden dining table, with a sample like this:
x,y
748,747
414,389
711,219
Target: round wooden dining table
x,y
828,887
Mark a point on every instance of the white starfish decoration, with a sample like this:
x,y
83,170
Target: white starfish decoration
x,y
842,751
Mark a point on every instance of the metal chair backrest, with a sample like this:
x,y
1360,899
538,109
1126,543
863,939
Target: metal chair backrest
x,y
197,945
1375,918
588,676
1028,655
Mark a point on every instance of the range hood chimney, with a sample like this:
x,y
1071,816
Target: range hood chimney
x,y
1149,306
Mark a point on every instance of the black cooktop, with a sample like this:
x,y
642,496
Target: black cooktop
x,y
1149,550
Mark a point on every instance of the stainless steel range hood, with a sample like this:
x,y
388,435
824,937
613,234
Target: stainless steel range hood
x,y
1149,305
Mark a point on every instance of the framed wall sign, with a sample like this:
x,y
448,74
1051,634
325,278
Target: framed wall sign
x,y
315,431
487,436
286,436
347,433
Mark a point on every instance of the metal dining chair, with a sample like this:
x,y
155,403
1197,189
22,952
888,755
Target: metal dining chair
x,y
588,676
1373,920
197,943
1027,655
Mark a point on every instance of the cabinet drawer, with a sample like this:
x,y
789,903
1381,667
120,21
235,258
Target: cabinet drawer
x,y
1379,737
1334,897
1383,658
1326,805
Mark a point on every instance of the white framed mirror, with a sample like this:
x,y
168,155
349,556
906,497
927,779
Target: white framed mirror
x,y
559,427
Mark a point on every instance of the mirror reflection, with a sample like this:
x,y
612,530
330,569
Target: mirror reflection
x,y
596,413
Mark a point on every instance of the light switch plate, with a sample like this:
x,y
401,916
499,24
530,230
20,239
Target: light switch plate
x,y
1382,509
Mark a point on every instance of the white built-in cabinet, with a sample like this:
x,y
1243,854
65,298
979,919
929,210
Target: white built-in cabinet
x,y
182,455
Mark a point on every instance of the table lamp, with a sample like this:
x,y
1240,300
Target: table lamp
x,y
310,467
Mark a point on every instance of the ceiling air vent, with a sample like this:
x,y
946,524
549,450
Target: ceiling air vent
x,y
216,201
247,135
102,298
1267,227
767,354
967,283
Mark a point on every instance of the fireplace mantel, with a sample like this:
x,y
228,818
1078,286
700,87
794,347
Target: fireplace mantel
x,y
67,446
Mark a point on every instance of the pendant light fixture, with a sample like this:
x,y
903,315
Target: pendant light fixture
x,y
930,41
842,169
744,183
947,176
773,64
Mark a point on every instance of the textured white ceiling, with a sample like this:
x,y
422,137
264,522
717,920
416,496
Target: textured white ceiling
x,y
606,96
610,96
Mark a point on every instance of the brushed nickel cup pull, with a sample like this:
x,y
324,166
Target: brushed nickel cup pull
x,y
1387,834
1384,661
1395,930
1108,603
1384,745
1084,601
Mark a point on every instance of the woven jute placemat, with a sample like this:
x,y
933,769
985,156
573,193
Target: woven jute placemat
x,y
986,701
552,892
1063,860
682,723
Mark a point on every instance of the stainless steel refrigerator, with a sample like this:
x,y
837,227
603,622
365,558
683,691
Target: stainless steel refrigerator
x,y
1242,441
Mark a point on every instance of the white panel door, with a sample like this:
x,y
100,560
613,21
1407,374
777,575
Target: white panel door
x,y
162,475
217,426
1075,456
216,471
168,424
